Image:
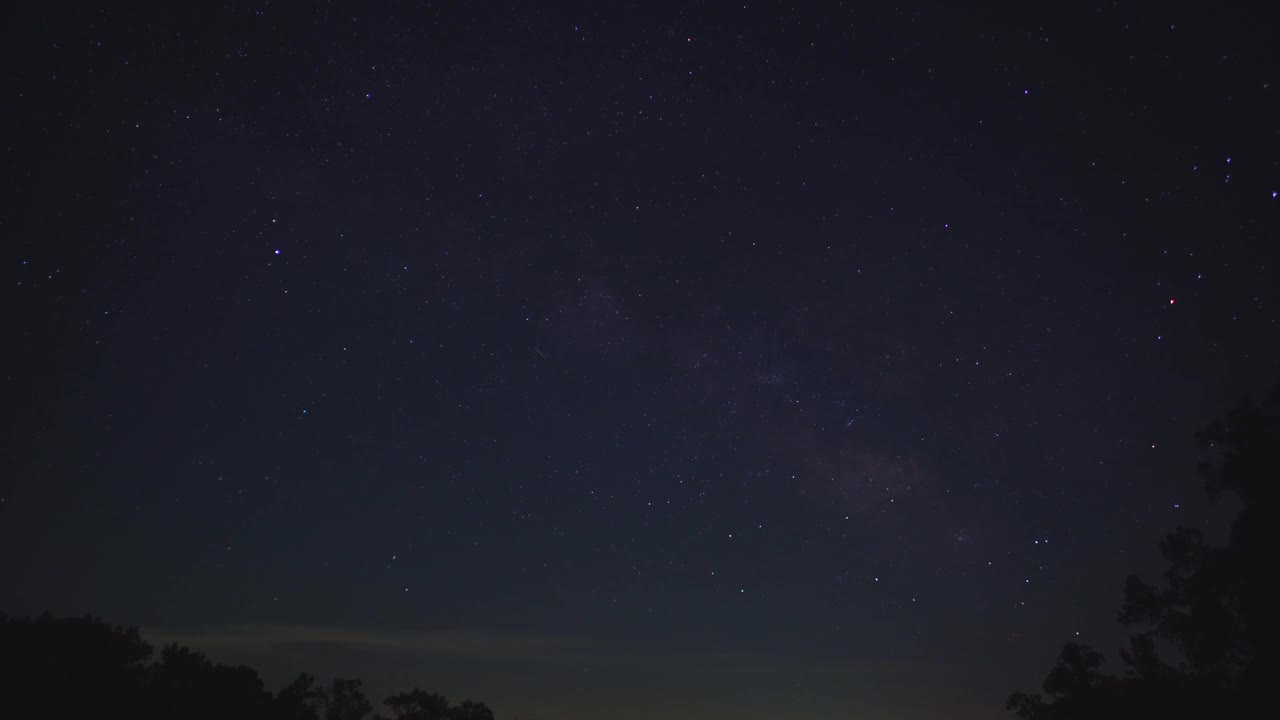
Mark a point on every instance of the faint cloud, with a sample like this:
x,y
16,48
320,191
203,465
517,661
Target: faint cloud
x,y
478,644
482,645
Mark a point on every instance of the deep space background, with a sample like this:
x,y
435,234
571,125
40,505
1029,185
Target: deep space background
x,y
627,360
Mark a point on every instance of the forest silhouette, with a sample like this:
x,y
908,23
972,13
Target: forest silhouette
x,y
85,668
1205,644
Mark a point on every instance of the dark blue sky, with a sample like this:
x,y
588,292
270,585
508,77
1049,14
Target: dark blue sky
x,y
716,361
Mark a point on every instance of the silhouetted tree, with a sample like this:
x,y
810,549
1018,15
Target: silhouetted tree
x,y
301,699
184,684
83,669
70,667
346,701
418,705
421,705
471,711
1217,609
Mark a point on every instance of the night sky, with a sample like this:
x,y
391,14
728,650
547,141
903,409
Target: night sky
x,y
619,360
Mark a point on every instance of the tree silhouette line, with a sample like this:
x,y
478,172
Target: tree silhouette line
x,y
1206,644
83,668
